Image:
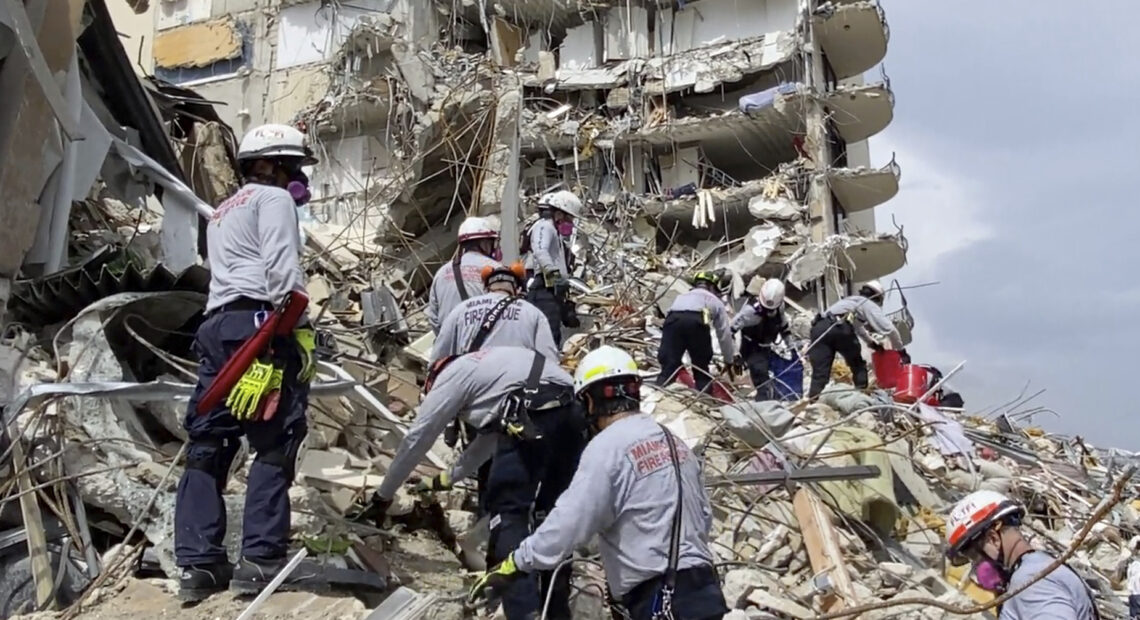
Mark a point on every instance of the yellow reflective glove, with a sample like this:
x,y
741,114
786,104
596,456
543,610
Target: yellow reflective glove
x,y
438,482
259,380
307,345
499,576
550,278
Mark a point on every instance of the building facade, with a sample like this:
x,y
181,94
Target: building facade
x,y
719,119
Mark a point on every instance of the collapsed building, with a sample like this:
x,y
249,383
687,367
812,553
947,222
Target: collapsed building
x,y
708,132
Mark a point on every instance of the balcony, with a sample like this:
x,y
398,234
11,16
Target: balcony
x,y
853,36
859,189
860,112
871,257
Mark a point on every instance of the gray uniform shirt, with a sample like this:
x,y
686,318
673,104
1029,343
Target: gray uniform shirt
x,y
625,490
869,317
701,300
1060,595
547,252
520,325
473,388
444,294
254,245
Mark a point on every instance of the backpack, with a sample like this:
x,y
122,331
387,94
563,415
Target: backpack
x,y
524,239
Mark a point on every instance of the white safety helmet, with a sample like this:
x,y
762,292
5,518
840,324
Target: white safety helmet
x,y
476,228
771,294
562,200
270,141
603,363
972,517
875,287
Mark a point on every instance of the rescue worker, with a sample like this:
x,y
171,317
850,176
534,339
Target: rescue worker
x,y
640,489
760,322
838,330
983,529
687,329
254,248
547,263
497,318
522,405
462,277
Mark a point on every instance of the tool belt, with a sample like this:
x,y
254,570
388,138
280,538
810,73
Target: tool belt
x,y
515,412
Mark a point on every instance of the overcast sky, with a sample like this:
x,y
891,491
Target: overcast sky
x,y
1017,127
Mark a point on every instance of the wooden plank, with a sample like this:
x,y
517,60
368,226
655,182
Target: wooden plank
x,y
822,544
197,45
34,527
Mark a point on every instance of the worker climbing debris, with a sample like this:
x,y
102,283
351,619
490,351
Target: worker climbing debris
x,y
761,323
984,529
499,317
548,262
461,278
255,248
639,488
521,405
839,328
686,329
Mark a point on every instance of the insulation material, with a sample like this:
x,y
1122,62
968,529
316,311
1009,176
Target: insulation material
x,y
198,45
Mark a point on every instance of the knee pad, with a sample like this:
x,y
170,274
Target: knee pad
x,y
283,455
213,456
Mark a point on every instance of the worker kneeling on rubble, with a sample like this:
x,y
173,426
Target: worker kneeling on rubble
x,y
547,265
522,406
687,329
983,529
461,279
838,330
498,318
640,489
254,245
760,323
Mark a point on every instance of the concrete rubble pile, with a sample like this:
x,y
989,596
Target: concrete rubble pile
x,y
818,507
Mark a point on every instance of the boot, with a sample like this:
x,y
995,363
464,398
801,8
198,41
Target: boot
x,y
252,575
197,583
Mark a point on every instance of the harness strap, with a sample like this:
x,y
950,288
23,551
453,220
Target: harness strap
x,y
670,580
489,321
457,271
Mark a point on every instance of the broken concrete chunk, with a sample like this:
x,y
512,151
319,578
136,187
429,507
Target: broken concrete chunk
x,y
755,423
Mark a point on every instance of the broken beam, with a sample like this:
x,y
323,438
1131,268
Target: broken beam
x,y
813,474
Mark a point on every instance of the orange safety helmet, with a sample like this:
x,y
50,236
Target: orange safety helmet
x,y
514,273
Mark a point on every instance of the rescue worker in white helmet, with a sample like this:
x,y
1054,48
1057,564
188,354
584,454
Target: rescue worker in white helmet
x,y
548,261
686,328
462,277
984,530
640,489
254,247
760,322
528,426
839,329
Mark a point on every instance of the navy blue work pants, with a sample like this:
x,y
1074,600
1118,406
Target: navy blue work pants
x,y
685,331
696,596
199,512
525,479
550,305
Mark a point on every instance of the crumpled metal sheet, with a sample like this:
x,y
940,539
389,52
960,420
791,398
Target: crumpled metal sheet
x,y
62,295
